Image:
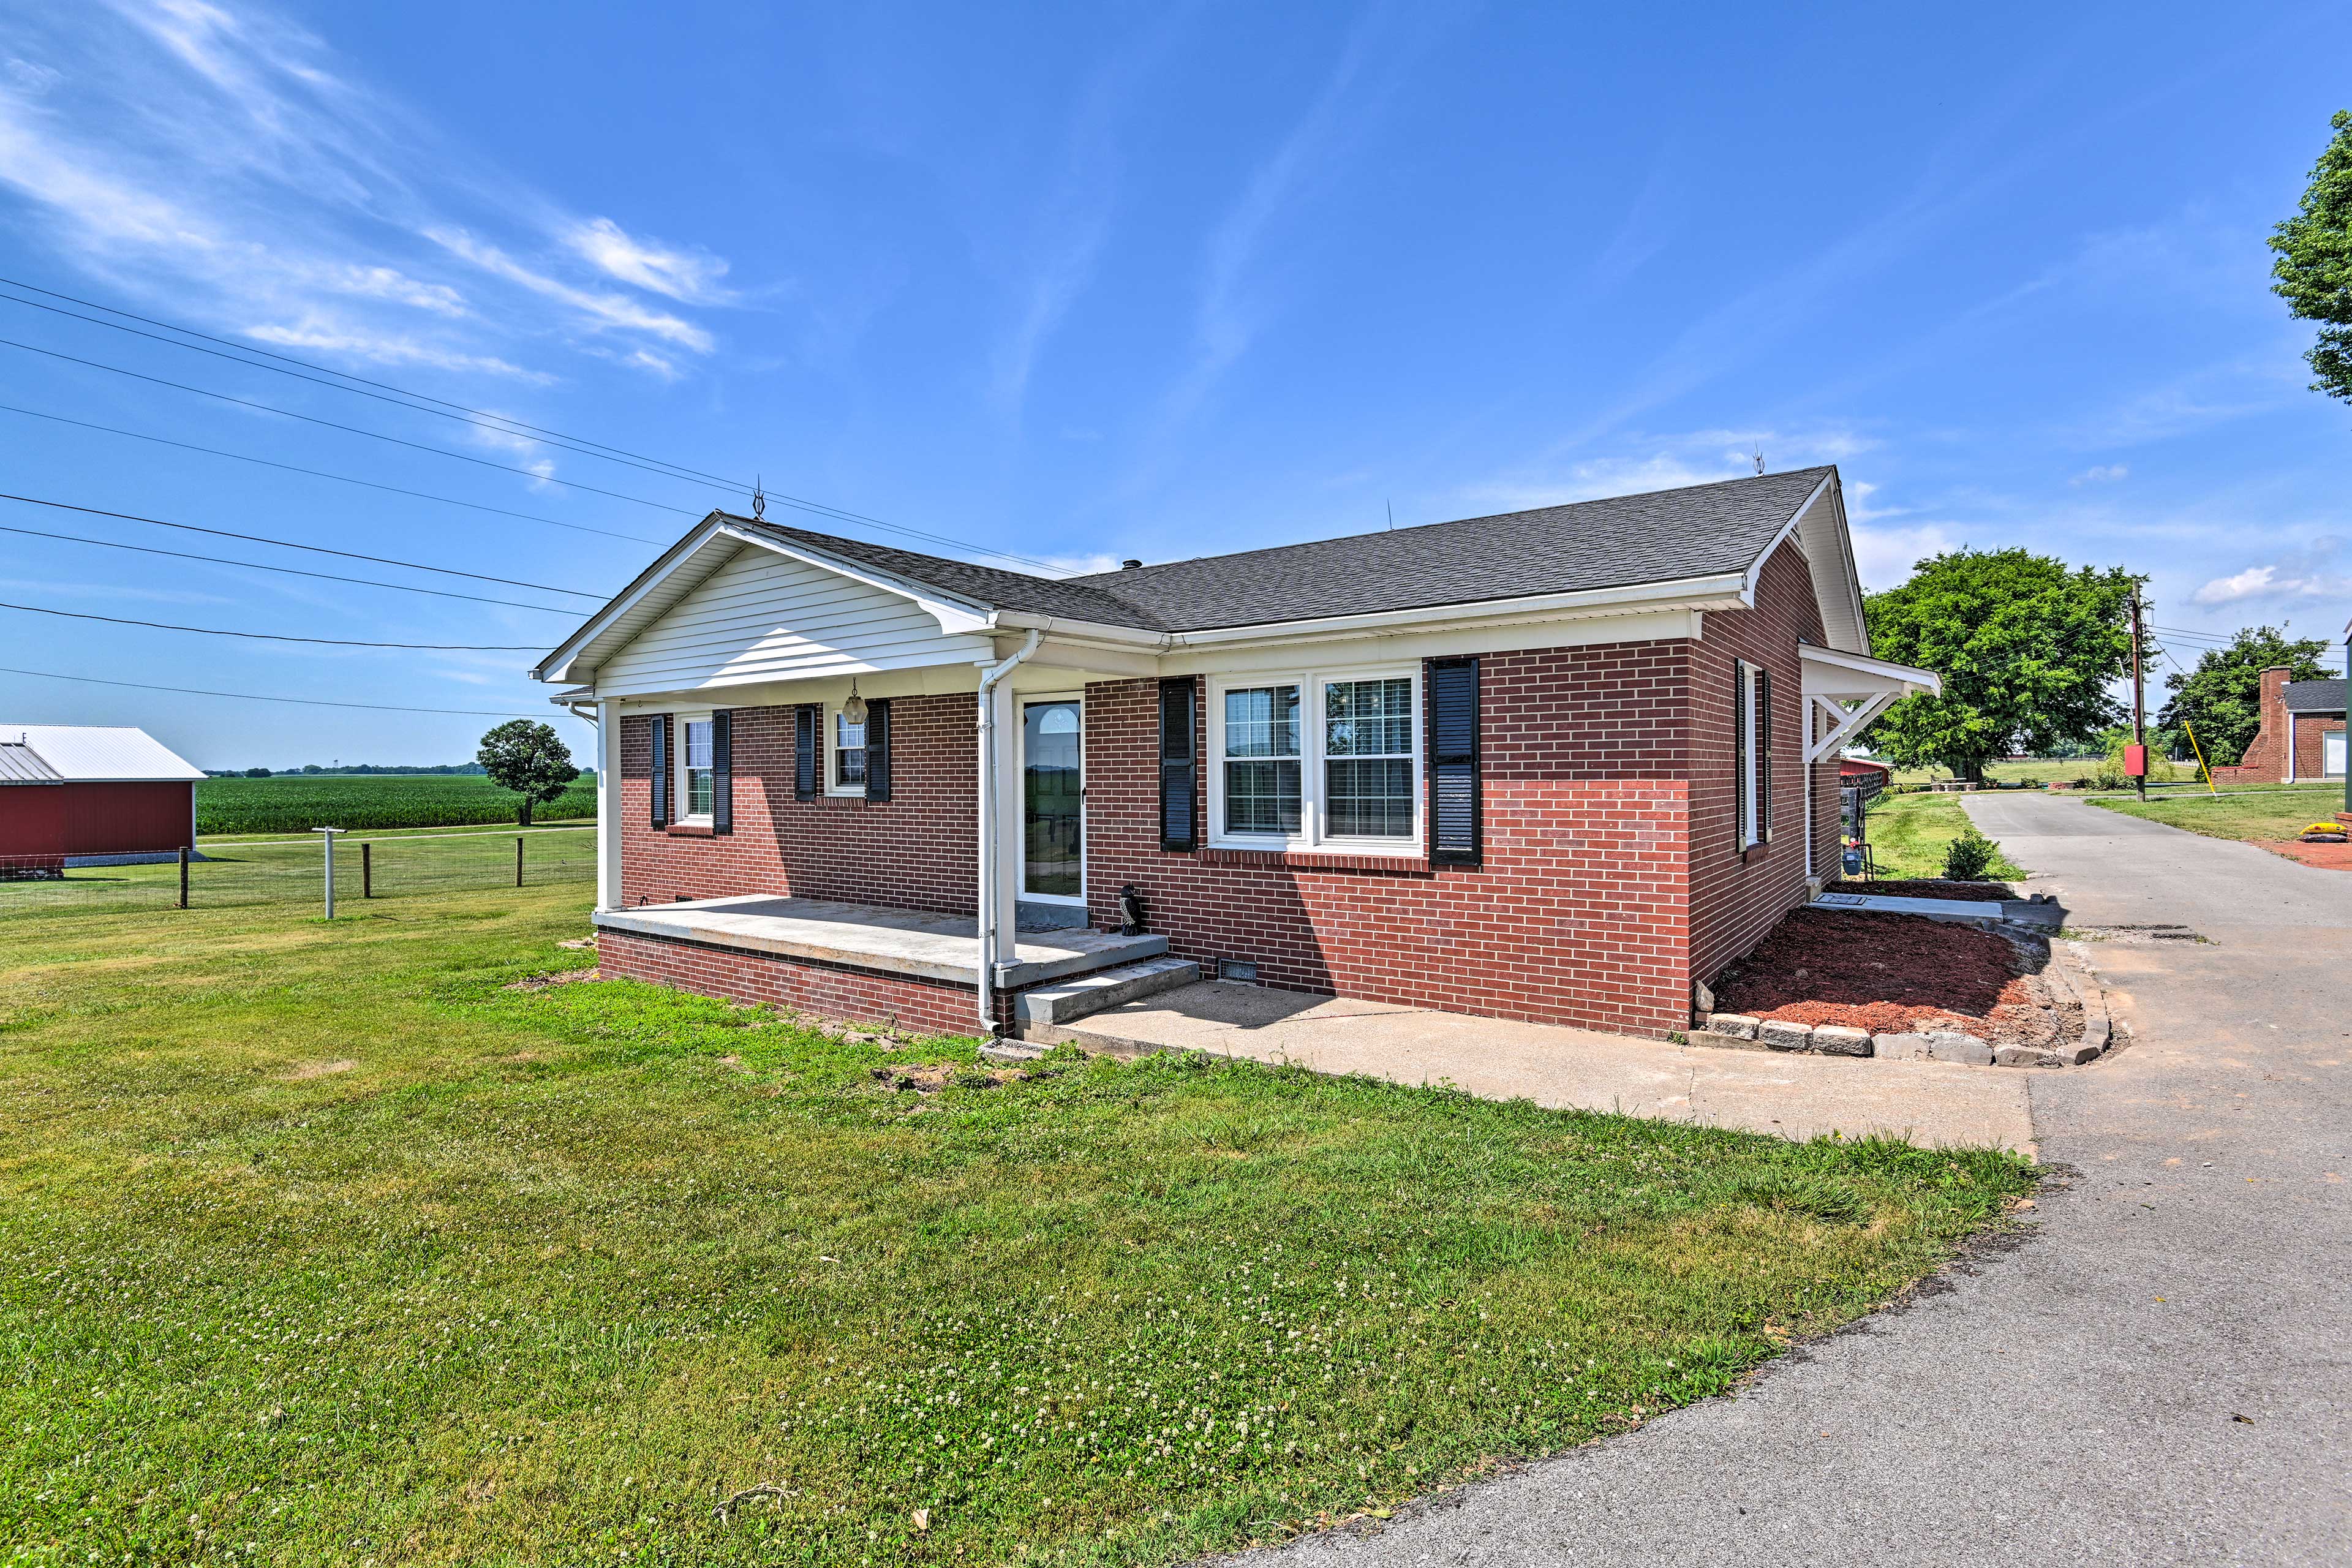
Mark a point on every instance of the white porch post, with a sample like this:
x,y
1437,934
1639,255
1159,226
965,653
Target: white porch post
x,y
608,804
1007,731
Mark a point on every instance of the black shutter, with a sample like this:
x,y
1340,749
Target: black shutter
x,y
1178,832
1763,756
1456,800
1738,755
877,748
722,771
808,721
661,770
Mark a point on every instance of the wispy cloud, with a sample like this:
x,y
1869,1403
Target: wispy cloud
x,y
2102,474
1664,463
689,275
2306,576
215,157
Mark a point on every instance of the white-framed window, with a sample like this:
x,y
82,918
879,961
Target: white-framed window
x,y
845,766
1317,758
698,782
1751,741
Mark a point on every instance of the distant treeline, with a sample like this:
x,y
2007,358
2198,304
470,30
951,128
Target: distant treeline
x,y
357,770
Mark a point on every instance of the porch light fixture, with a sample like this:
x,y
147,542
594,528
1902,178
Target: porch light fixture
x,y
855,708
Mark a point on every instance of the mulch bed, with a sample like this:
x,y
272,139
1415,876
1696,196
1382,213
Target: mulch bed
x,y
1891,974
1931,888
2326,856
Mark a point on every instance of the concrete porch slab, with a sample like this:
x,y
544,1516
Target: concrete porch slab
x,y
1799,1097
870,936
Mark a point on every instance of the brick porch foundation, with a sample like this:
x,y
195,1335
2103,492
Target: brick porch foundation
x,y
831,990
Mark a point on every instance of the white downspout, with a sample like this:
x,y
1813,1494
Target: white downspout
x,y
989,677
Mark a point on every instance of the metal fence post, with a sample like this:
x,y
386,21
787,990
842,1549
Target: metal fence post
x,y
183,875
518,860
367,870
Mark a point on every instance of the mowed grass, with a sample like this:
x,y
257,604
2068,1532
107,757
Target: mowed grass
x,y
2268,814
2034,770
324,1244
298,803
1908,833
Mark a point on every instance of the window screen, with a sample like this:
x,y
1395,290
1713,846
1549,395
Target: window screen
x,y
1368,770
1261,761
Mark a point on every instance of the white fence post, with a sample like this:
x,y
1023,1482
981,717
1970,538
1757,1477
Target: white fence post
x,y
327,837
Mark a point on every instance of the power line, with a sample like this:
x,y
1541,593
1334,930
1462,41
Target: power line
x,y
314,549
352,429
579,444
480,420
289,571
250,697
275,636
320,474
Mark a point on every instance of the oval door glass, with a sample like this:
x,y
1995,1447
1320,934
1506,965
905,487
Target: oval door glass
x,y
1051,804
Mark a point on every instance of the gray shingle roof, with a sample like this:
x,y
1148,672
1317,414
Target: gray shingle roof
x,y
1664,535
2315,695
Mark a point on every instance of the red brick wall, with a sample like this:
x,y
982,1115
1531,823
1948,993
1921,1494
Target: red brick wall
x,y
919,851
1736,897
1577,917
2310,756
2265,757
835,990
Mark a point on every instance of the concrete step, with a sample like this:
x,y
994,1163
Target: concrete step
x,y
1046,1007
1006,1053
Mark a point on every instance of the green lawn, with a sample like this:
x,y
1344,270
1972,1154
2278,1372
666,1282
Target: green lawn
x,y
327,1245
2035,771
1908,832
2273,812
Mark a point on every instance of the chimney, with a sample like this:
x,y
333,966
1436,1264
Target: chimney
x,y
2272,741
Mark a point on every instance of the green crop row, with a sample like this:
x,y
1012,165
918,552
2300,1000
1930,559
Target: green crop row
x,y
297,805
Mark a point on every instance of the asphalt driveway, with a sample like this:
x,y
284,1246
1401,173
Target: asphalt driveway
x,y
2161,1374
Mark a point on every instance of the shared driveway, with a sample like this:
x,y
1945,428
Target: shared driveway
x,y
2161,1374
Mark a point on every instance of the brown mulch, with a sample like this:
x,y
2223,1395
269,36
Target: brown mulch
x,y
1891,973
1931,888
2326,856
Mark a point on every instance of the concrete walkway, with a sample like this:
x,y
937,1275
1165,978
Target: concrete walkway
x,y
2077,1399
1762,1091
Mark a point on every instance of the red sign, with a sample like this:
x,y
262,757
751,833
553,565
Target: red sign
x,y
2135,761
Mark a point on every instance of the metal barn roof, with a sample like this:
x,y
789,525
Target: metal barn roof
x,y
90,753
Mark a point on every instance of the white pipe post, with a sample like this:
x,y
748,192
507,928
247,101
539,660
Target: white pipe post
x,y
327,837
608,804
989,912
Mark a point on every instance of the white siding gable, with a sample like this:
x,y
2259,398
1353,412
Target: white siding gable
x,y
764,617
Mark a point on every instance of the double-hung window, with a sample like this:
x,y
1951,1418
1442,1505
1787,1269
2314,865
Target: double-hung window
x,y
697,787
1315,760
848,755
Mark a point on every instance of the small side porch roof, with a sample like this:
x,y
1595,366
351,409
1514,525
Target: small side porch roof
x,y
1844,691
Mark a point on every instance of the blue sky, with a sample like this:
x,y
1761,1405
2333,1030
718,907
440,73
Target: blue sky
x,y
1157,280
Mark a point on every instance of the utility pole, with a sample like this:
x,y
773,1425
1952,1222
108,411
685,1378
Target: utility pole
x,y
2135,759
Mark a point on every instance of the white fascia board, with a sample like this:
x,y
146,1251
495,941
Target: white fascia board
x,y
1754,573
557,665
1832,672
954,615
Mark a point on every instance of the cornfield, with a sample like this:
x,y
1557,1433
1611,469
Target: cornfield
x,y
298,802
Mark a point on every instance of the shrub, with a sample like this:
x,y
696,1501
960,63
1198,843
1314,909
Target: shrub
x,y
1969,856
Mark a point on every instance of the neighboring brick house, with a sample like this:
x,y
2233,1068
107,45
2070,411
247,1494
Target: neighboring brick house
x,y
2302,733
1556,765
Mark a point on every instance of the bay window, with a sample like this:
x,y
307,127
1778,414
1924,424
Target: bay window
x,y
1308,760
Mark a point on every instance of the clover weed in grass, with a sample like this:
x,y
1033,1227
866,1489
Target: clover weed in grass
x,y
322,1246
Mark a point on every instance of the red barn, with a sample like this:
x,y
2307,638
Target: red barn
x,y
73,793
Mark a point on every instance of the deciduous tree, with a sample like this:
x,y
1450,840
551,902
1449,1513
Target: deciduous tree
x,y
529,758
2223,696
2027,645
2313,271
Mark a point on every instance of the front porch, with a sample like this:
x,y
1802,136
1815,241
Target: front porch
x,y
909,968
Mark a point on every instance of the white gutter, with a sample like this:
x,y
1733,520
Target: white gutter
x,y
989,934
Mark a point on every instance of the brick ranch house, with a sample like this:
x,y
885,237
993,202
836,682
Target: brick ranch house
x,y
2302,733
1555,765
